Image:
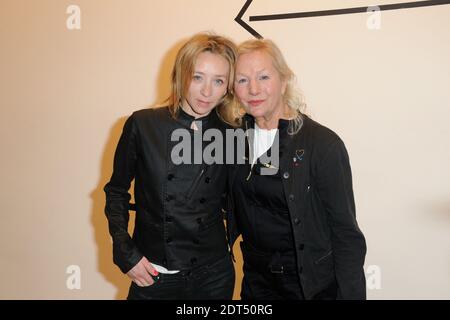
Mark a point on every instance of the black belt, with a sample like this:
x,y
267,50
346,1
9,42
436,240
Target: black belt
x,y
274,262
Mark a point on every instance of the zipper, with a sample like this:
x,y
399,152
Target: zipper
x,y
196,183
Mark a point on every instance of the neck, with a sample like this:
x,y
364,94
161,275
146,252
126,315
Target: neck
x,y
187,108
270,121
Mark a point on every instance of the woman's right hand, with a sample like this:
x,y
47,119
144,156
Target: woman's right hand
x,y
141,273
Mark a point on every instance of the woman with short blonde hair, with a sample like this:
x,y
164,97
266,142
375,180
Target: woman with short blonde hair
x,y
294,209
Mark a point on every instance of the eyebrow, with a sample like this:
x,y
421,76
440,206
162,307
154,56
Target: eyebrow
x,y
216,75
257,72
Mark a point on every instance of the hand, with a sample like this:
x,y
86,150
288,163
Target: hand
x,y
141,273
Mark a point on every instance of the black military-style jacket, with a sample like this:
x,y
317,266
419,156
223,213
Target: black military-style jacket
x,y
179,222
317,184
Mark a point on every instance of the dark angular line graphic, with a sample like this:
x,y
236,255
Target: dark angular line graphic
x,y
239,20
396,6
322,13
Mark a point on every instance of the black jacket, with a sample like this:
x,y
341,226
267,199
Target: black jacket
x,y
179,222
329,245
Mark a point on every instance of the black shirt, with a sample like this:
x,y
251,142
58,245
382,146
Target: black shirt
x,y
260,200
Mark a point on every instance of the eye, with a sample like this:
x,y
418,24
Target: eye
x,y
219,82
197,77
241,81
264,77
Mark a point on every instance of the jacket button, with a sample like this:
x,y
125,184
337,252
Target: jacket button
x,y
169,240
169,218
169,197
301,246
291,197
194,260
297,221
286,175
196,241
199,220
207,179
202,200
170,176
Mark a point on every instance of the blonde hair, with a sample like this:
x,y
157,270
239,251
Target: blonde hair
x,y
183,71
292,97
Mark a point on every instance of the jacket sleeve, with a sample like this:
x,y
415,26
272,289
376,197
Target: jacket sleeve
x,y
335,189
125,253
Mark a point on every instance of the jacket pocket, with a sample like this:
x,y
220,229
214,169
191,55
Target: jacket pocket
x,y
323,258
196,182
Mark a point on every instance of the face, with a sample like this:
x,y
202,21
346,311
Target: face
x,y
258,85
208,84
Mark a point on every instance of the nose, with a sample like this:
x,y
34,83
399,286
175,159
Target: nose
x,y
254,87
206,89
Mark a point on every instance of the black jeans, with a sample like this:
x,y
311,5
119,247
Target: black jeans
x,y
274,276
209,282
269,276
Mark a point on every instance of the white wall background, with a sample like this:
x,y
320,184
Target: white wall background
x,y
66,93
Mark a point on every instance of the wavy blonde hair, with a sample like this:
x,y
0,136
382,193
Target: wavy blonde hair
x,y
183,70
292,96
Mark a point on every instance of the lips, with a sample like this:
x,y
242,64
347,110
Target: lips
x,y
255,103
203,103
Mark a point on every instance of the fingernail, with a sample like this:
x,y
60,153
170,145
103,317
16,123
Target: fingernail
x,y
155,273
